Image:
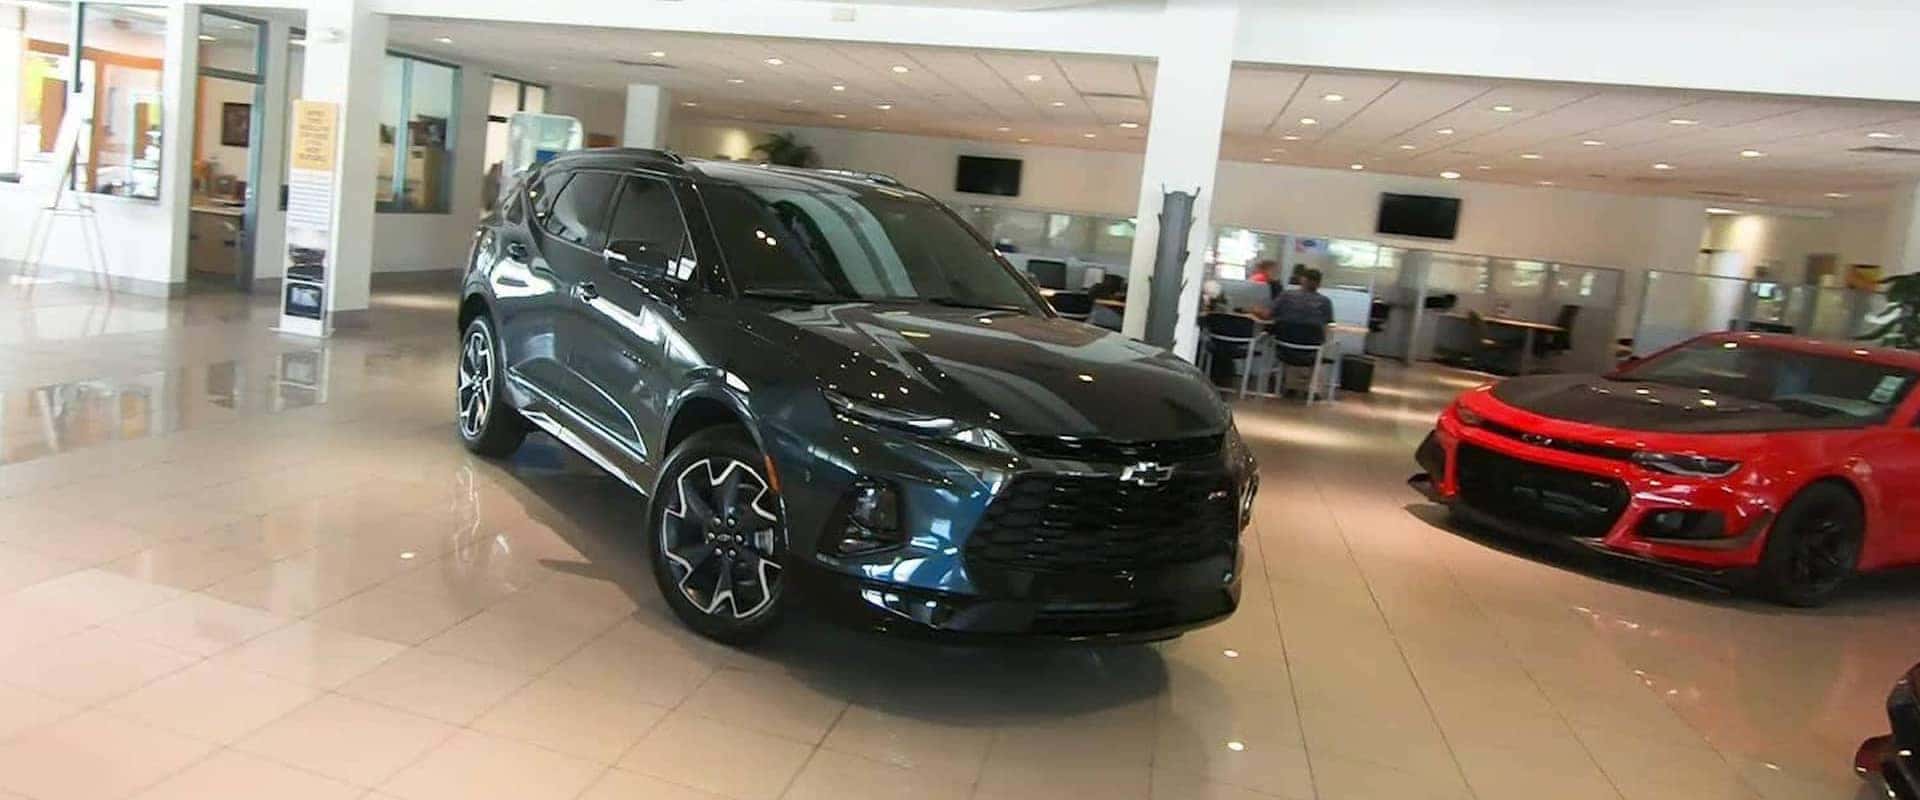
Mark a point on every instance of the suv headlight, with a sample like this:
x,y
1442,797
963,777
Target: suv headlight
x,y
929,426
1686,464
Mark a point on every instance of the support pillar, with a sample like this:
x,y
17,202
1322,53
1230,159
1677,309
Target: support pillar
x,y
1901,249
179,85
1183,151
648,107
346,46
270,223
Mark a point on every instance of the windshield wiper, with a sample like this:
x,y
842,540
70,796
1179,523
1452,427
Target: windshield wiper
x,y
954,302
796,295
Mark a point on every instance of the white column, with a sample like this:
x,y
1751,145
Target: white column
x,y
179,85
270,223
647,110
1183,149
346,45
1901,251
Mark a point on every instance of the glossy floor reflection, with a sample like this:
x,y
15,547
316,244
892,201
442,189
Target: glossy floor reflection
x,y
234,564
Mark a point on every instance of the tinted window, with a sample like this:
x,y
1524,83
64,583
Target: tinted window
x,y
580,212
1830,388
819,239
647,219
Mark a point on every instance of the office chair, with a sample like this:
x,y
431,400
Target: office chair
x,y
1048,273
1547,344
1076,306
1229,337
1305,345
1488,353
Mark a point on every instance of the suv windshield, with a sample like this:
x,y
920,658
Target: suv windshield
x,y
818,240
1833,388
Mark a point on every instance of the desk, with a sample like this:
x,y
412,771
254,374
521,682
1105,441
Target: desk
x,y
1527,330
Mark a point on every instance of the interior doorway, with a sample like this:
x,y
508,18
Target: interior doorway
x,y
224,219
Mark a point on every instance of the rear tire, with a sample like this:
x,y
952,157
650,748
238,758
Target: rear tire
x,y
1814,547
716,537
488,424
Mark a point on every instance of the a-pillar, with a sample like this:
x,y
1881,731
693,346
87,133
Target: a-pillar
x,y
1183,152
346,45
648,107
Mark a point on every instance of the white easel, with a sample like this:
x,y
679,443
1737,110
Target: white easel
x,y
61,203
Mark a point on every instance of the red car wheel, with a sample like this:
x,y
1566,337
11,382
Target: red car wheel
x,y
1814,546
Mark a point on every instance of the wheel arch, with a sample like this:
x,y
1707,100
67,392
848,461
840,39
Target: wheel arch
x,y
703,407
474,305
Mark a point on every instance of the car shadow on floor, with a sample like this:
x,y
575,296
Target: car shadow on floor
x,y
1872,595
932,681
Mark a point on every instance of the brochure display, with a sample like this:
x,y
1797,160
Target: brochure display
x,y
310,185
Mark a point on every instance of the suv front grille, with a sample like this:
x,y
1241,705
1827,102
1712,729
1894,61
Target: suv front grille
x,y
1060,523
1110,451
1536,495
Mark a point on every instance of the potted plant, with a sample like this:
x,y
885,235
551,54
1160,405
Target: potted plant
x,y
1898,325
785,149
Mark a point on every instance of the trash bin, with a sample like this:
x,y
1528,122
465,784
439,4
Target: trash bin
x,y
1356,374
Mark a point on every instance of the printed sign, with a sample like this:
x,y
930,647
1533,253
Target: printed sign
x,y
310,182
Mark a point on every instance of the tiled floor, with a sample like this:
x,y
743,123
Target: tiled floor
x,y
239,565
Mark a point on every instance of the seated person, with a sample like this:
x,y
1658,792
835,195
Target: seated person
x,y
1302,305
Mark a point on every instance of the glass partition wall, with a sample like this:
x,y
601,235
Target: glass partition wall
x,y
1676,306
1089,237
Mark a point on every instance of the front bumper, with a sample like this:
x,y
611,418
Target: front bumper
x,y
1617,501
950,580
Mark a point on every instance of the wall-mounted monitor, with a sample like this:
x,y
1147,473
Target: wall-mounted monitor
x,y
1418,215
982,175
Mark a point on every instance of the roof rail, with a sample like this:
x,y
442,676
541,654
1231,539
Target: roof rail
x,y
876,177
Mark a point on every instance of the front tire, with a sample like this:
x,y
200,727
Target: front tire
x,y
716,537
488,424
1814,547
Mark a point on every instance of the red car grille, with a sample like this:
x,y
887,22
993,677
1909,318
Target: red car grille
x,y
1536,495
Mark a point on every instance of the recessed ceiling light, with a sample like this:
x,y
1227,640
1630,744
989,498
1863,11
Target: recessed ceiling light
x,y
1058,104
1753,200
1718,211
1683,121
1662,165
1837,195
795,101
1445,131
1130,125
1356,167
1408,147
1751,154
1531,156
1089,136
839,87
1882,135
1024,140
1004,129
775,62
657,54
443,39
839,116
1450,175
901,69
1290,138
1484,166
1267,160
1309,121
690,104
1543,183
884,106
1593,142
297,42
1332,97
736,81
1035,77
1503,108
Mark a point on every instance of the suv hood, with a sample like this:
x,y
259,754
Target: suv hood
x,y
1009,372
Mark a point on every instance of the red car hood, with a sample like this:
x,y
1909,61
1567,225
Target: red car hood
x,y
1634,416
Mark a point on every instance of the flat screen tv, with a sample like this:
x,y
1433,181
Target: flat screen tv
x,y
1418,215
982,175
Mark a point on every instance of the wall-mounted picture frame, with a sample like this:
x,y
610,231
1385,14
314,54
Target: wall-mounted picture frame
x,y
236,124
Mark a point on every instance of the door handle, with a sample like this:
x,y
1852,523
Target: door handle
x,y
586,292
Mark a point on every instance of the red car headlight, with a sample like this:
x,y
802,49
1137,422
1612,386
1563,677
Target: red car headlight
x,y
1687,464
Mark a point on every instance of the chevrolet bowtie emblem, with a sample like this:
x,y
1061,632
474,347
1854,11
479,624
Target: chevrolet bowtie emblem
x,y
1147,473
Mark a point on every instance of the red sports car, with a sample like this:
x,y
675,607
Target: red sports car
x,y
1774,462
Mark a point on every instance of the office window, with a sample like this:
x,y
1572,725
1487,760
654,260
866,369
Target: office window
x,y
120,62
418,108
34,78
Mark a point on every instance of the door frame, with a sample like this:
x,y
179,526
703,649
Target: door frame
x,y
250,211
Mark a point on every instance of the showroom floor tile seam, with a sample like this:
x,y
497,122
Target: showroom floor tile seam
x,y
821,745
1286,656
1315,479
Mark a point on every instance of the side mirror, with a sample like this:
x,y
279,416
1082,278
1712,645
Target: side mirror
x,y
637,259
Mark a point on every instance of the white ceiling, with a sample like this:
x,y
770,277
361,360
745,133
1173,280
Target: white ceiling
x,y
976,94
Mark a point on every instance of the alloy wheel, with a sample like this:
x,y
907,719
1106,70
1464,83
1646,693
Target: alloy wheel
x,y
719,538
476,383
1822,551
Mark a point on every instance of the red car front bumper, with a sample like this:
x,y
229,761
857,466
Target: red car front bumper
x,y
1540,488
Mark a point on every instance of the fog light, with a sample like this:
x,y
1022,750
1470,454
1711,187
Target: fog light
x,y
1683,524
872,520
